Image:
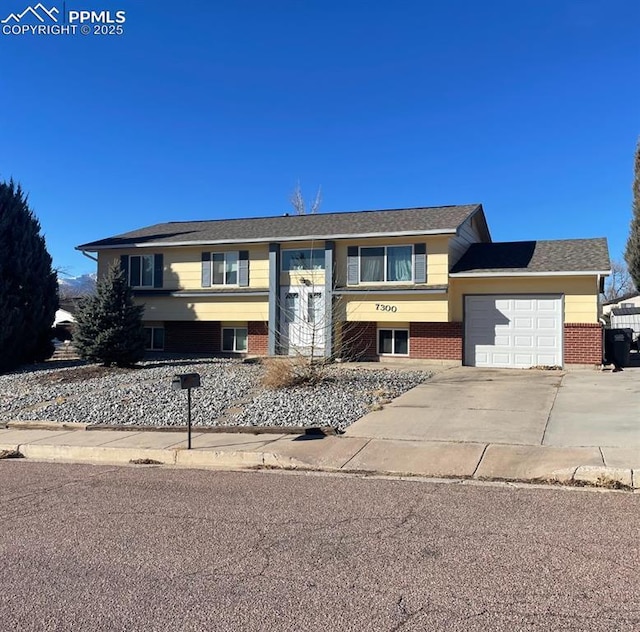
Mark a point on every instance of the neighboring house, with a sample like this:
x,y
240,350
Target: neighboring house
x,y
624,313
415,283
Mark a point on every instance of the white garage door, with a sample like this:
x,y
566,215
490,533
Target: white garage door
x,y
513,331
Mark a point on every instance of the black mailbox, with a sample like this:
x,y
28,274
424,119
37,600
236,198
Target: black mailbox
x,y
185,380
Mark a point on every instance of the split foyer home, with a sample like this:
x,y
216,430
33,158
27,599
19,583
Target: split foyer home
x,y
415,283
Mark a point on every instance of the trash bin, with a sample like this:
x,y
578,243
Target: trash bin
x,y
617,345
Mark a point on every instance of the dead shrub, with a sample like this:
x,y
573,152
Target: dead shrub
x,y
294,371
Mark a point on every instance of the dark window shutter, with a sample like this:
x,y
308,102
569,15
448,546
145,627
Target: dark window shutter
x,y
158,270
206,269
124,266
420,263
243,268
352,265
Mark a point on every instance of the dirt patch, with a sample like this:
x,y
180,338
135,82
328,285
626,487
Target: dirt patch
x,y
79,374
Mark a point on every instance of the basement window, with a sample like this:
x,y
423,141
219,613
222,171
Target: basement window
x,y
234,339
154,338
393,342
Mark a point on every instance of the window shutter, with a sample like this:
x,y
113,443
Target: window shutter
x,y
206,269
124,266
243,268
420,263
158,270
352,265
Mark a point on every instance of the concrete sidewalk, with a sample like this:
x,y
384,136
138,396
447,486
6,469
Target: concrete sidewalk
x,y
602,466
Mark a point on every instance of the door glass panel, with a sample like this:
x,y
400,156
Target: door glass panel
x,y
313,314
290,303
402,342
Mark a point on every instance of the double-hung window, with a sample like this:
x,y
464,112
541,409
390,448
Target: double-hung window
x,y
141,270
225,268
386,264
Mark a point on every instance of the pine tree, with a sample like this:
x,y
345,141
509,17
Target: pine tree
x,y
632,252
108,324
28,283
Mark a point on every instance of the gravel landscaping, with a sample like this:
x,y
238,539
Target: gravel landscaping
x,y
231,395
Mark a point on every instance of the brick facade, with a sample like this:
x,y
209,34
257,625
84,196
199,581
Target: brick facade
x,y
582,343
357,341
258,342
435,341
192,337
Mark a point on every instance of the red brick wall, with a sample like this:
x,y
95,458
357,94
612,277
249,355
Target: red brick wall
x,y
582,343
435,341
192,337
358,341
258,343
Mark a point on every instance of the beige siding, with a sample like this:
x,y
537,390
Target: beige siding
x,y
224,309
182,266
580,293
375,308
467,234
437,255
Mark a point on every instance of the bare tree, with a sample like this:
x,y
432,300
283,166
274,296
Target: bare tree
x,y
299,204
619,282
632,251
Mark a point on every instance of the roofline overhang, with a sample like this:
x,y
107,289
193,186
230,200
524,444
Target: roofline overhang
x,y
480,275
266,240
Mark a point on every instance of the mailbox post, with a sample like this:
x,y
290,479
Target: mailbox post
x,y
186,381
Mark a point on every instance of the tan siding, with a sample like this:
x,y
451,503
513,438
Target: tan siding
x,y
408,308
203,309
580,293
437,255
458,245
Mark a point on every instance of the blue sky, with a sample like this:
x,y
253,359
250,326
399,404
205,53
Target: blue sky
x,y
217,109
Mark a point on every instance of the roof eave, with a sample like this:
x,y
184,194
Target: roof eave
x,y
264,240
524,273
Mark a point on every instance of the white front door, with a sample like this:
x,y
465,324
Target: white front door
x,y
302,320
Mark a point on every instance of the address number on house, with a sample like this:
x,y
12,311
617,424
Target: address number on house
x,y
383,307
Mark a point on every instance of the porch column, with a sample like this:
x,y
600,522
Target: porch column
x,y
274,298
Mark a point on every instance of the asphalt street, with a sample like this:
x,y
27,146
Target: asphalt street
x,y
142,548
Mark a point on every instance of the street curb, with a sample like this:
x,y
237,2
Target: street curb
x,y
622,479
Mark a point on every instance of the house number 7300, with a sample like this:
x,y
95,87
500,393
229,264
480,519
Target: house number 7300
x,y
381,307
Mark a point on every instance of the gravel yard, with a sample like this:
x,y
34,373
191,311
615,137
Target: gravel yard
x,y
231,395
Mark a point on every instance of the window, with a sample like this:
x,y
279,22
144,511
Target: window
x,y
234,339
386,264
393,342
314,308
141,271
154,338
303,259
224,268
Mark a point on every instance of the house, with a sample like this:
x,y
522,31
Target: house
x,y
423,283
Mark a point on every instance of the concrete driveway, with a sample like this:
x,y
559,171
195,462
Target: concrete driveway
x,y
516,407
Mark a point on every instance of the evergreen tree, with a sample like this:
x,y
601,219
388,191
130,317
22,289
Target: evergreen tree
x,y
108,324
28,283
632,252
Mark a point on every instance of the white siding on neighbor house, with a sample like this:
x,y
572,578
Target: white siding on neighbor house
x,y
467,234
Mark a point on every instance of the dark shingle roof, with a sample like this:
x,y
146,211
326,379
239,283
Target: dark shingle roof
x,y
562,255
284,227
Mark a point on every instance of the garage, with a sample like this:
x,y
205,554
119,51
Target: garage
x,y
513,331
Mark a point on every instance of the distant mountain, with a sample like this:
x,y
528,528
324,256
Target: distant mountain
x,y
71,287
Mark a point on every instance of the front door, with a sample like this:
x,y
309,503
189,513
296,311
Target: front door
x,y
302,320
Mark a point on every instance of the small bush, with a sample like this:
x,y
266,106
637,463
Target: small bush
x,y
294,371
